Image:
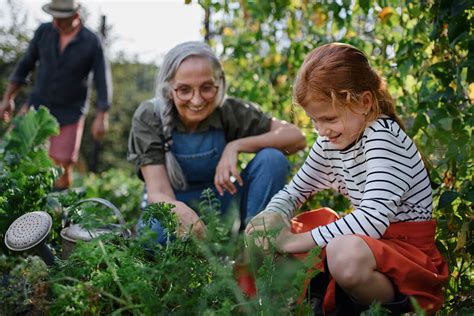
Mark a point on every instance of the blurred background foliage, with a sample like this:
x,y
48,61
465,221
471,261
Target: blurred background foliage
x,y
425,49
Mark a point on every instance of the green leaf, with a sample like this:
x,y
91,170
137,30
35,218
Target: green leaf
x,y
365,5
447,198
421,120
470,195
31,131
446,123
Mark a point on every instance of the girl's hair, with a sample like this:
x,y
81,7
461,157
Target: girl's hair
x,y
341,73
164,104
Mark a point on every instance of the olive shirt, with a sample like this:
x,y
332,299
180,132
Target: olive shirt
x,y
237,119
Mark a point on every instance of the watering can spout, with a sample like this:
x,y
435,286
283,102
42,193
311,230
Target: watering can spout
x,y
29,232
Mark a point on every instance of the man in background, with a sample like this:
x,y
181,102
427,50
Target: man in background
x,y
65,53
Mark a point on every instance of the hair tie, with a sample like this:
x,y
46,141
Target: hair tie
x,y
166,142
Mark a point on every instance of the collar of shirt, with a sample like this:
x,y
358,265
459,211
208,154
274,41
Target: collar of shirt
x,y
65,38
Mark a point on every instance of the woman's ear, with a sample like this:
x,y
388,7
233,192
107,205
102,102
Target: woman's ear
x,y
169,92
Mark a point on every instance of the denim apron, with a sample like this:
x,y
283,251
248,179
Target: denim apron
x,y
198,155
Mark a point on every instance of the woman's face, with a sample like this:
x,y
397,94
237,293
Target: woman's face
x,y
339,124
194,80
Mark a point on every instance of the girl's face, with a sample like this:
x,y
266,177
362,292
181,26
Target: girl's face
x,y
194,80
339,124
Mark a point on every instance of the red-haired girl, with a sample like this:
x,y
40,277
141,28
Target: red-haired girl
x,y
384,250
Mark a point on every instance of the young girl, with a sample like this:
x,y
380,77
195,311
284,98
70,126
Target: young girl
x,y
384,250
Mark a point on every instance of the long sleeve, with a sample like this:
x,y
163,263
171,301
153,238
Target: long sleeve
x,y
382,175
28,62
102,78
144,143
313,176
390,181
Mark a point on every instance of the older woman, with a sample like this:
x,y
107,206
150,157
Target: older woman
x,y
189,137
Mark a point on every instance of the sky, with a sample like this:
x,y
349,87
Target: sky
x,y
145,29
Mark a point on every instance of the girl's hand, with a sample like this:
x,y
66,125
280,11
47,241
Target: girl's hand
x,y
287,242
266,220
226,168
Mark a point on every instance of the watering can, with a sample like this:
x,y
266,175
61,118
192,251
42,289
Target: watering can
x,y
29,232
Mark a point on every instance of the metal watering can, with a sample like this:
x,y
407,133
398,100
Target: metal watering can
x,y
29,232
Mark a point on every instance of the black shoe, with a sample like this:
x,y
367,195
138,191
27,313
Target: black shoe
x,y
400,305
316,292
345,305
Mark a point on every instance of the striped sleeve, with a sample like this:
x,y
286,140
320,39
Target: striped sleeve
x,y
313,176
389,163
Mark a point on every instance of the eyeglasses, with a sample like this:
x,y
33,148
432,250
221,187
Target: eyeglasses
x,y
206,91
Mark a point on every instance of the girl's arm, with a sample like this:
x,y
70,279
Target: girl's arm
x,y
313,176
395,187
159,190
287,242
282,135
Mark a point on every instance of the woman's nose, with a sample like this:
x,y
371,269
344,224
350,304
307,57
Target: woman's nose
x,y
197,99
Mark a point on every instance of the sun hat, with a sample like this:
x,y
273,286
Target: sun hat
x,y
61,8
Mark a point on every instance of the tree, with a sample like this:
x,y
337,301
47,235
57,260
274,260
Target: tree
x,y
13,41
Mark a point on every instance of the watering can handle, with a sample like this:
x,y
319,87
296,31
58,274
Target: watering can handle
x,y
116,211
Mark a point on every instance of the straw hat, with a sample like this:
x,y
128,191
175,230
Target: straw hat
x,y
61,8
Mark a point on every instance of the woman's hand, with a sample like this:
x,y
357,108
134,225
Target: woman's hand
x,y
227,169
189,221
159,190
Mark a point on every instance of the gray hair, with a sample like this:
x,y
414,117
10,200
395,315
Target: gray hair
x,y
164,104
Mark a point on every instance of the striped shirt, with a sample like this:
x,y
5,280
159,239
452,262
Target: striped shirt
x,y
382,175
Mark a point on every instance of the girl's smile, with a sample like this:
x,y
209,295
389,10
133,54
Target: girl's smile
x,y
333,139
340,125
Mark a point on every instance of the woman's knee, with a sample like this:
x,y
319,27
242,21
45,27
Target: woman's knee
x,y
349,260
272,160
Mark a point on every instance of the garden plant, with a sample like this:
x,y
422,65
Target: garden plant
x,y
425,49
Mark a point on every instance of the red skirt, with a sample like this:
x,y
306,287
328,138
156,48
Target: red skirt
x,y
406,254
